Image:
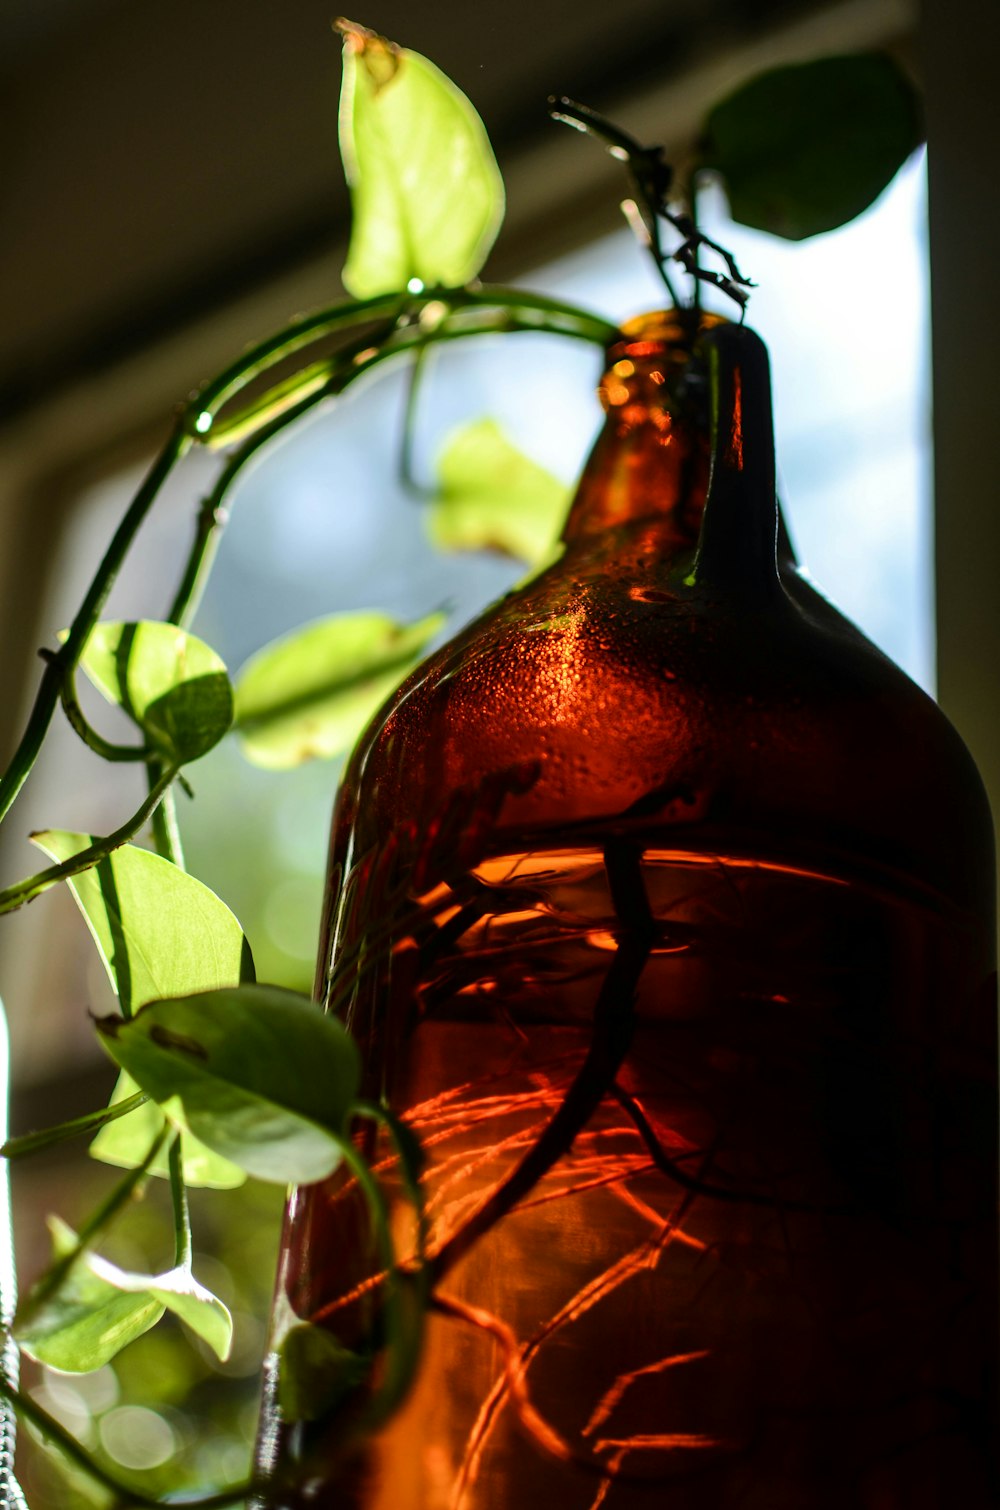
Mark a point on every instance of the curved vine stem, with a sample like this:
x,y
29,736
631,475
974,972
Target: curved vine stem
x,y
66,657
94,1226
90,736
26,890
90,1122
197,421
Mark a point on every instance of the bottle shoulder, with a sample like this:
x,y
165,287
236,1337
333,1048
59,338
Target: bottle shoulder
x,y
612,686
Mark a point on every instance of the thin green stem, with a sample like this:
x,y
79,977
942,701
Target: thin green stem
x,y
197,421
90,736
46,1137
327,380
126,1497
489,310
92,1228
208,529
165,832
193,422
211,397
407,473
66,657
24,891
182,1215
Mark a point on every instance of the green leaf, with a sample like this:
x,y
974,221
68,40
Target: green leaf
x,y
426,192
311,693
88,1320
172,684
100,1308
260,1075
490,496
178,1291
126,1142
805,148
159,933
315,1372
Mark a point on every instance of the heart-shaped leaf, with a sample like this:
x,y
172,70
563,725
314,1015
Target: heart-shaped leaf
x,y
315,1372
260,1075
173,685
126,1142
88,1320
426,192
805,148
178,1291
490,496
311,693
159,933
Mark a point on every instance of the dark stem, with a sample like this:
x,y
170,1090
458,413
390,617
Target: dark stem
x,y
65,659
90,736
26,890
166,835
208,528
35,1142
179,1200
612,1036
92,1228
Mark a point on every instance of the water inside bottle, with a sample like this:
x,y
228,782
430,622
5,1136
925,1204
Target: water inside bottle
x,y
698,1186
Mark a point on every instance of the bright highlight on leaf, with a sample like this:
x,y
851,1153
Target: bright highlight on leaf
x,y
426,192
88,1320
490,496
173,685
159,932
311,693
178,1291
260,1075
805,148
100,1308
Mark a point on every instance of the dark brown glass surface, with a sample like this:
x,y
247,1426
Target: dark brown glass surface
x,y
661,906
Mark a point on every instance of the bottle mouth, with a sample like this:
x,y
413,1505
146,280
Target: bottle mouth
x,y
663,331
651,365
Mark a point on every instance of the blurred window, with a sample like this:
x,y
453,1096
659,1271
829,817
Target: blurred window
x,y
321,523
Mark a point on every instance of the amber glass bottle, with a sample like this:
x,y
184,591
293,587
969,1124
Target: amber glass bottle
x,y
661,906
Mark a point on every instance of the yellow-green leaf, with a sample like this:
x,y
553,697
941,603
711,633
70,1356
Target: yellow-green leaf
x,y
170,683
310,694
87,1321
178,1291
426,192
261,1075
490,496
159,932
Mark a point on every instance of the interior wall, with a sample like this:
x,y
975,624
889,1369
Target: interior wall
x,y
961,43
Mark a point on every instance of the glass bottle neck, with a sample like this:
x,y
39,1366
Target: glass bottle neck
x,y
651,459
